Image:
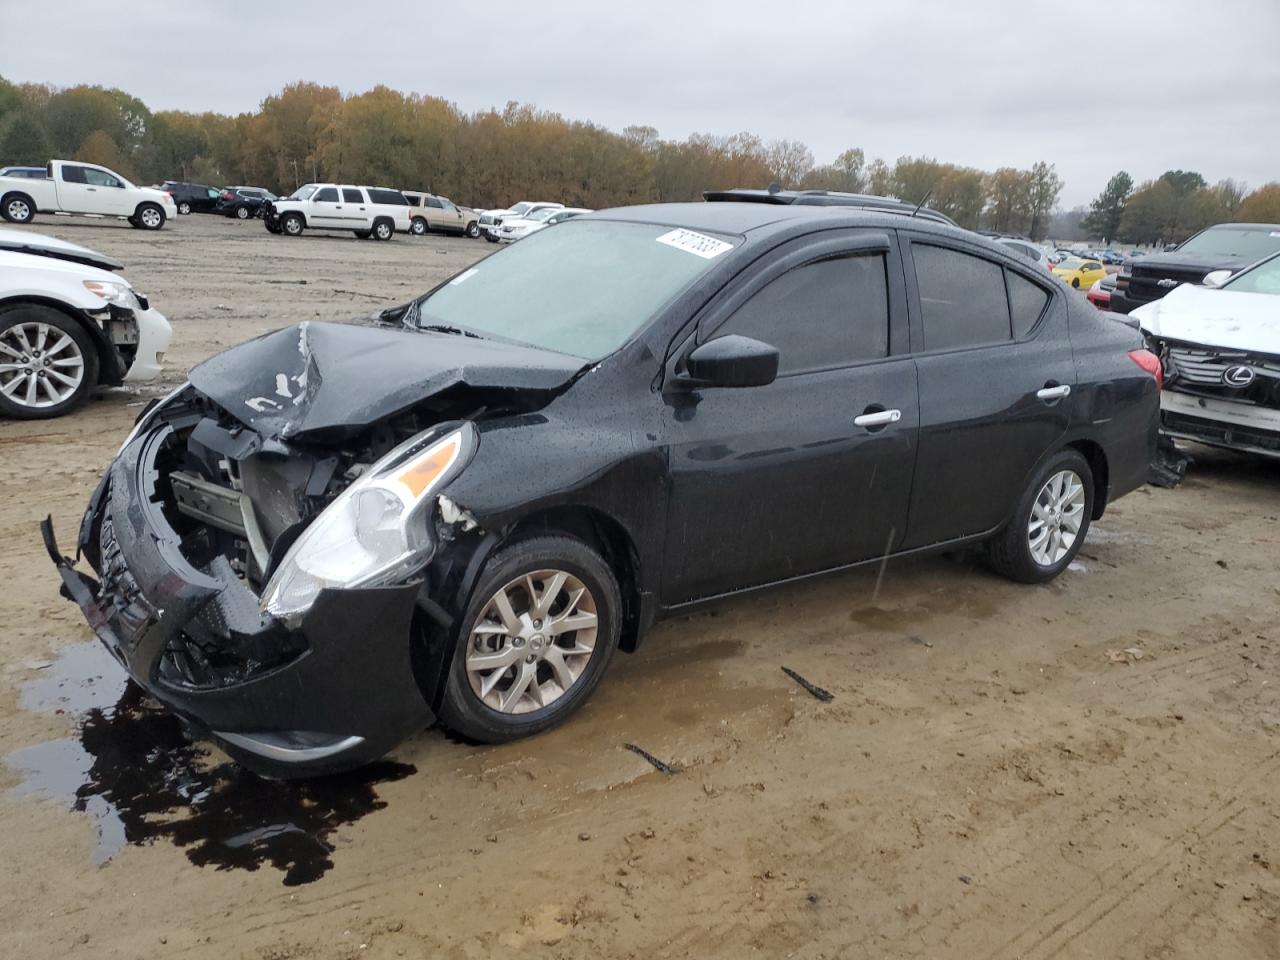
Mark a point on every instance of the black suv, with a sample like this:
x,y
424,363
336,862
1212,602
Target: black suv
x,y
244,203
191,197
1225,246
829,198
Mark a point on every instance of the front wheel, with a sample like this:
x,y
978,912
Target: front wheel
x,y
148,217
536,639
48,363
242,213
1050,522
419,227
292,224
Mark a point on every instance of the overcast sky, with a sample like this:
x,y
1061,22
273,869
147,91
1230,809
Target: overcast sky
x,y
1093,87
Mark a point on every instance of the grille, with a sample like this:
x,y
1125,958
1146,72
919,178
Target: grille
x,y
1206,367
1144,284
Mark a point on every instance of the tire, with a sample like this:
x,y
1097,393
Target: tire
x,y
148,217
1011,552
242,213
18,208
473,229
184,208
1075,282
485,720
419,227
292,225
491,238
68,351
363,234
383,230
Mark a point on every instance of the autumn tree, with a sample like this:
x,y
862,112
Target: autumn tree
x,y
1107,208
23,139
1009,200
98,147
1261,206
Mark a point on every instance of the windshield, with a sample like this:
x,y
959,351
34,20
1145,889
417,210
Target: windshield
x,y
521,208
538,216
1262,278
583,289
304,192
1229,241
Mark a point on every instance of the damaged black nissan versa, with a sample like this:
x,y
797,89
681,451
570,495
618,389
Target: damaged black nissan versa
x,y
336,533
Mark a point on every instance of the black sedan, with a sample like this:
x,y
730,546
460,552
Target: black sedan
x,y
335,533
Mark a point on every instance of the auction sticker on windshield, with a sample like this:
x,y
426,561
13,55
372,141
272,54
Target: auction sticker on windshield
x,y
696,243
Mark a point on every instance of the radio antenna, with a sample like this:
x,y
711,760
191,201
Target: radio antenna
x,y
927,194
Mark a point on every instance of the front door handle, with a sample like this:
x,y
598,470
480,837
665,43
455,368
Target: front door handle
x,y
1054,392
880,418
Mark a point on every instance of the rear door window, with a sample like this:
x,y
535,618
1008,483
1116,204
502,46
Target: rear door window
x,y
962,298
1027,301
832,313
352,195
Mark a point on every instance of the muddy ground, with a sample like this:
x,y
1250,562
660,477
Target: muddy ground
x,y
995,777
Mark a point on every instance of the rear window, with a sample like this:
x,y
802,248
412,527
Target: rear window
x,y
962,298
387,196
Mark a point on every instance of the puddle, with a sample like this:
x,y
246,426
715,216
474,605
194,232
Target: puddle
x,y
134,773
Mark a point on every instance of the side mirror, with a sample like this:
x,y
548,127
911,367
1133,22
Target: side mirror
x,y
1170,247
732,361
1216,278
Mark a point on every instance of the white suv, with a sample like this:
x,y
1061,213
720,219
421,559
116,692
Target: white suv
x,y
376,212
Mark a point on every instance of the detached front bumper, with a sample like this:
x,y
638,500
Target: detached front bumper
x,y
1221,423
333,692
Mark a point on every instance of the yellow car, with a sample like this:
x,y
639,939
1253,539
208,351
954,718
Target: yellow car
x,y
1081,274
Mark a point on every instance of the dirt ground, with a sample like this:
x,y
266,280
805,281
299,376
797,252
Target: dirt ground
x,y
995,777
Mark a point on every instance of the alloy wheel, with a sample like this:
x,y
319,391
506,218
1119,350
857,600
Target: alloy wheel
x,y
18,211
1056,516
40,366
151,218
242,213
532,641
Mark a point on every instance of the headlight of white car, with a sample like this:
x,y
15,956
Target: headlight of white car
x,y
376,532
111,291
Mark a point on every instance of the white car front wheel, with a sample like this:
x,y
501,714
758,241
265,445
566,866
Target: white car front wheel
x,y
48,363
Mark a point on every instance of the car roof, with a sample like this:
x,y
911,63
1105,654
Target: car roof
x,y
762,219
833,198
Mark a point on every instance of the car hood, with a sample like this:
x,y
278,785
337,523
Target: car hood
x,y
1215,318
19,241
346,377
1157,262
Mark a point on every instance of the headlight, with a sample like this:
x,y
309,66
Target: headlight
x,y
376,532
110,291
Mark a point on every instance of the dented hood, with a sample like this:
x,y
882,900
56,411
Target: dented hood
x,y
1215,318
337,376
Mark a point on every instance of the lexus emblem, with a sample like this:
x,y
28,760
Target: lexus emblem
x,y
1238,376
1167,282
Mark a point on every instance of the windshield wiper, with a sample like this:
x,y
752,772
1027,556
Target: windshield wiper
x,y
446,328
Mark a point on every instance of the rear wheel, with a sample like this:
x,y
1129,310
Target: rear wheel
x,y
363,234
242,213
536,639
184,208
18,208
1050,523
48,363
382,230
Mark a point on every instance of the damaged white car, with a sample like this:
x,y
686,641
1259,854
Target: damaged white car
x,y
1220,348
69,323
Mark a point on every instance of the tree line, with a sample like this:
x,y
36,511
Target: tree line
x,y
308,132
1175,205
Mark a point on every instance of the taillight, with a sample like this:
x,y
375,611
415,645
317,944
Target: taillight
x,y
1149,362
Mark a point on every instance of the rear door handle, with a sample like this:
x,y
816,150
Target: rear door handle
x,y
1054,393
879,419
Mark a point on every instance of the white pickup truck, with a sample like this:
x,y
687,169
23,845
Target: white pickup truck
x,y
73,187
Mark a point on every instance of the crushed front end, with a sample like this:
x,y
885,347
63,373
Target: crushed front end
x,y
1221,397
184,533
